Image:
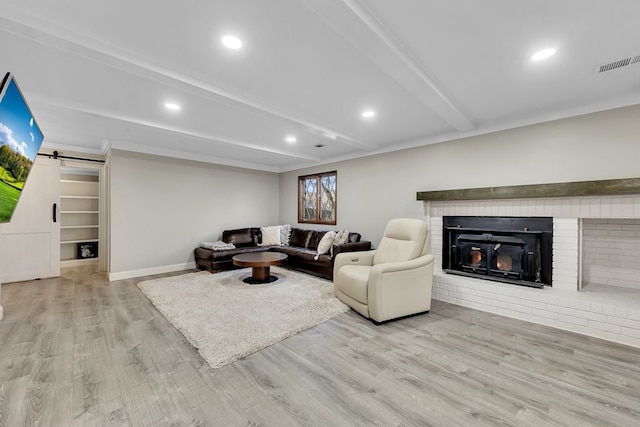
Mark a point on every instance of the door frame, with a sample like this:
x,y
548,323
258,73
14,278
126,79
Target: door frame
x,y
103,218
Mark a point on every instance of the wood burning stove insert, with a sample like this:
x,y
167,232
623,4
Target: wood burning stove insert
x,y
514,250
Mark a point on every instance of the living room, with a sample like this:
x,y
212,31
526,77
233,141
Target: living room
x,y
370,191
196,181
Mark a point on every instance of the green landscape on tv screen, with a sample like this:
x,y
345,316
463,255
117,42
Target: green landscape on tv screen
x,y
20,140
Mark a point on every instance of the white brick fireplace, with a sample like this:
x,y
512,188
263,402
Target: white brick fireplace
x,y
596,265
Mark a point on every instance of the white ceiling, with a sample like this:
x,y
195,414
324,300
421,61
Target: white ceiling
x,y
98,76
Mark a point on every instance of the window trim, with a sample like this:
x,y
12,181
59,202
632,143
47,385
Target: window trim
x,y
317,220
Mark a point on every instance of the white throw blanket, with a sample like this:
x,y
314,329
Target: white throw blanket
x,y
217,246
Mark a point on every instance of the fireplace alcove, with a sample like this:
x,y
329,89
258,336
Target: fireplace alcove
x,y
591,222
516,250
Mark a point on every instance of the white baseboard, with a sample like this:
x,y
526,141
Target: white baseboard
x,y
150,271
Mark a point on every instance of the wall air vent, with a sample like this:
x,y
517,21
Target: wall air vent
x,y
620,63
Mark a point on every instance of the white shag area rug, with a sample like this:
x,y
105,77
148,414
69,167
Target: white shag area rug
x,y
226,319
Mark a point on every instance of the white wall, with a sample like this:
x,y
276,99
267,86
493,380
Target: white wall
x,y
162,208
374,189
368,194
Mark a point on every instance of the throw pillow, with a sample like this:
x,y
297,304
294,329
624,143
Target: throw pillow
x,y
325,243
314,239
285,234
342,237
270,235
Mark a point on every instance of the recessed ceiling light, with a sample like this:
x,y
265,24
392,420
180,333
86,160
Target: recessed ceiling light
x,y
368,114
543,54
291,139
232,42
171,106
319,145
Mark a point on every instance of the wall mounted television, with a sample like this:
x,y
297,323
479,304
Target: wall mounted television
x,y
20,140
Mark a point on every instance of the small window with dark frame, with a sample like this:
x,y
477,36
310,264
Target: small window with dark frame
x,y
318,198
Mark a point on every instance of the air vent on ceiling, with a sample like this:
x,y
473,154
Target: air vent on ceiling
x,y
620,63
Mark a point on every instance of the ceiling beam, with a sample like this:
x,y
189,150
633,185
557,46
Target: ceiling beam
x,y
359,25
97,51
46,102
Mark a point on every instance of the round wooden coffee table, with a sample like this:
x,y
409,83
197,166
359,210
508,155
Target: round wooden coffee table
x,y
259,263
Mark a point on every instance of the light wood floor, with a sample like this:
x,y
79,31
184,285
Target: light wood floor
x,y
80,351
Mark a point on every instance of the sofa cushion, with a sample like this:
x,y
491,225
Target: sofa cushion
x,y
240,237
227,255
301,254
299,237
314,240
209,255
354,282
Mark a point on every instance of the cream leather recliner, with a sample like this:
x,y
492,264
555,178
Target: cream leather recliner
x,y
391,281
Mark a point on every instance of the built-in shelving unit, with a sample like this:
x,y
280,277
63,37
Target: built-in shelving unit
x,y
79,215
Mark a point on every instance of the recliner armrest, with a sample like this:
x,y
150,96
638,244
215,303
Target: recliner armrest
x,y
391,267
352,258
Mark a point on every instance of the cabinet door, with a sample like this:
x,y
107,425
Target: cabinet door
x,y
30,243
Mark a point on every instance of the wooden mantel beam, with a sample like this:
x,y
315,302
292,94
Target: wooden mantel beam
x,y
607,187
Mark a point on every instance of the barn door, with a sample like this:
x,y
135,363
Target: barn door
x,y
30,243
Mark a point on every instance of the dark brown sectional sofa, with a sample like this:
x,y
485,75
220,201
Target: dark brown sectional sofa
x,y
301,250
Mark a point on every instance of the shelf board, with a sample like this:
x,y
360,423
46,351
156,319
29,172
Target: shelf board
x,y
72,262
79,212
78,226
80,197
64,242
77,181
